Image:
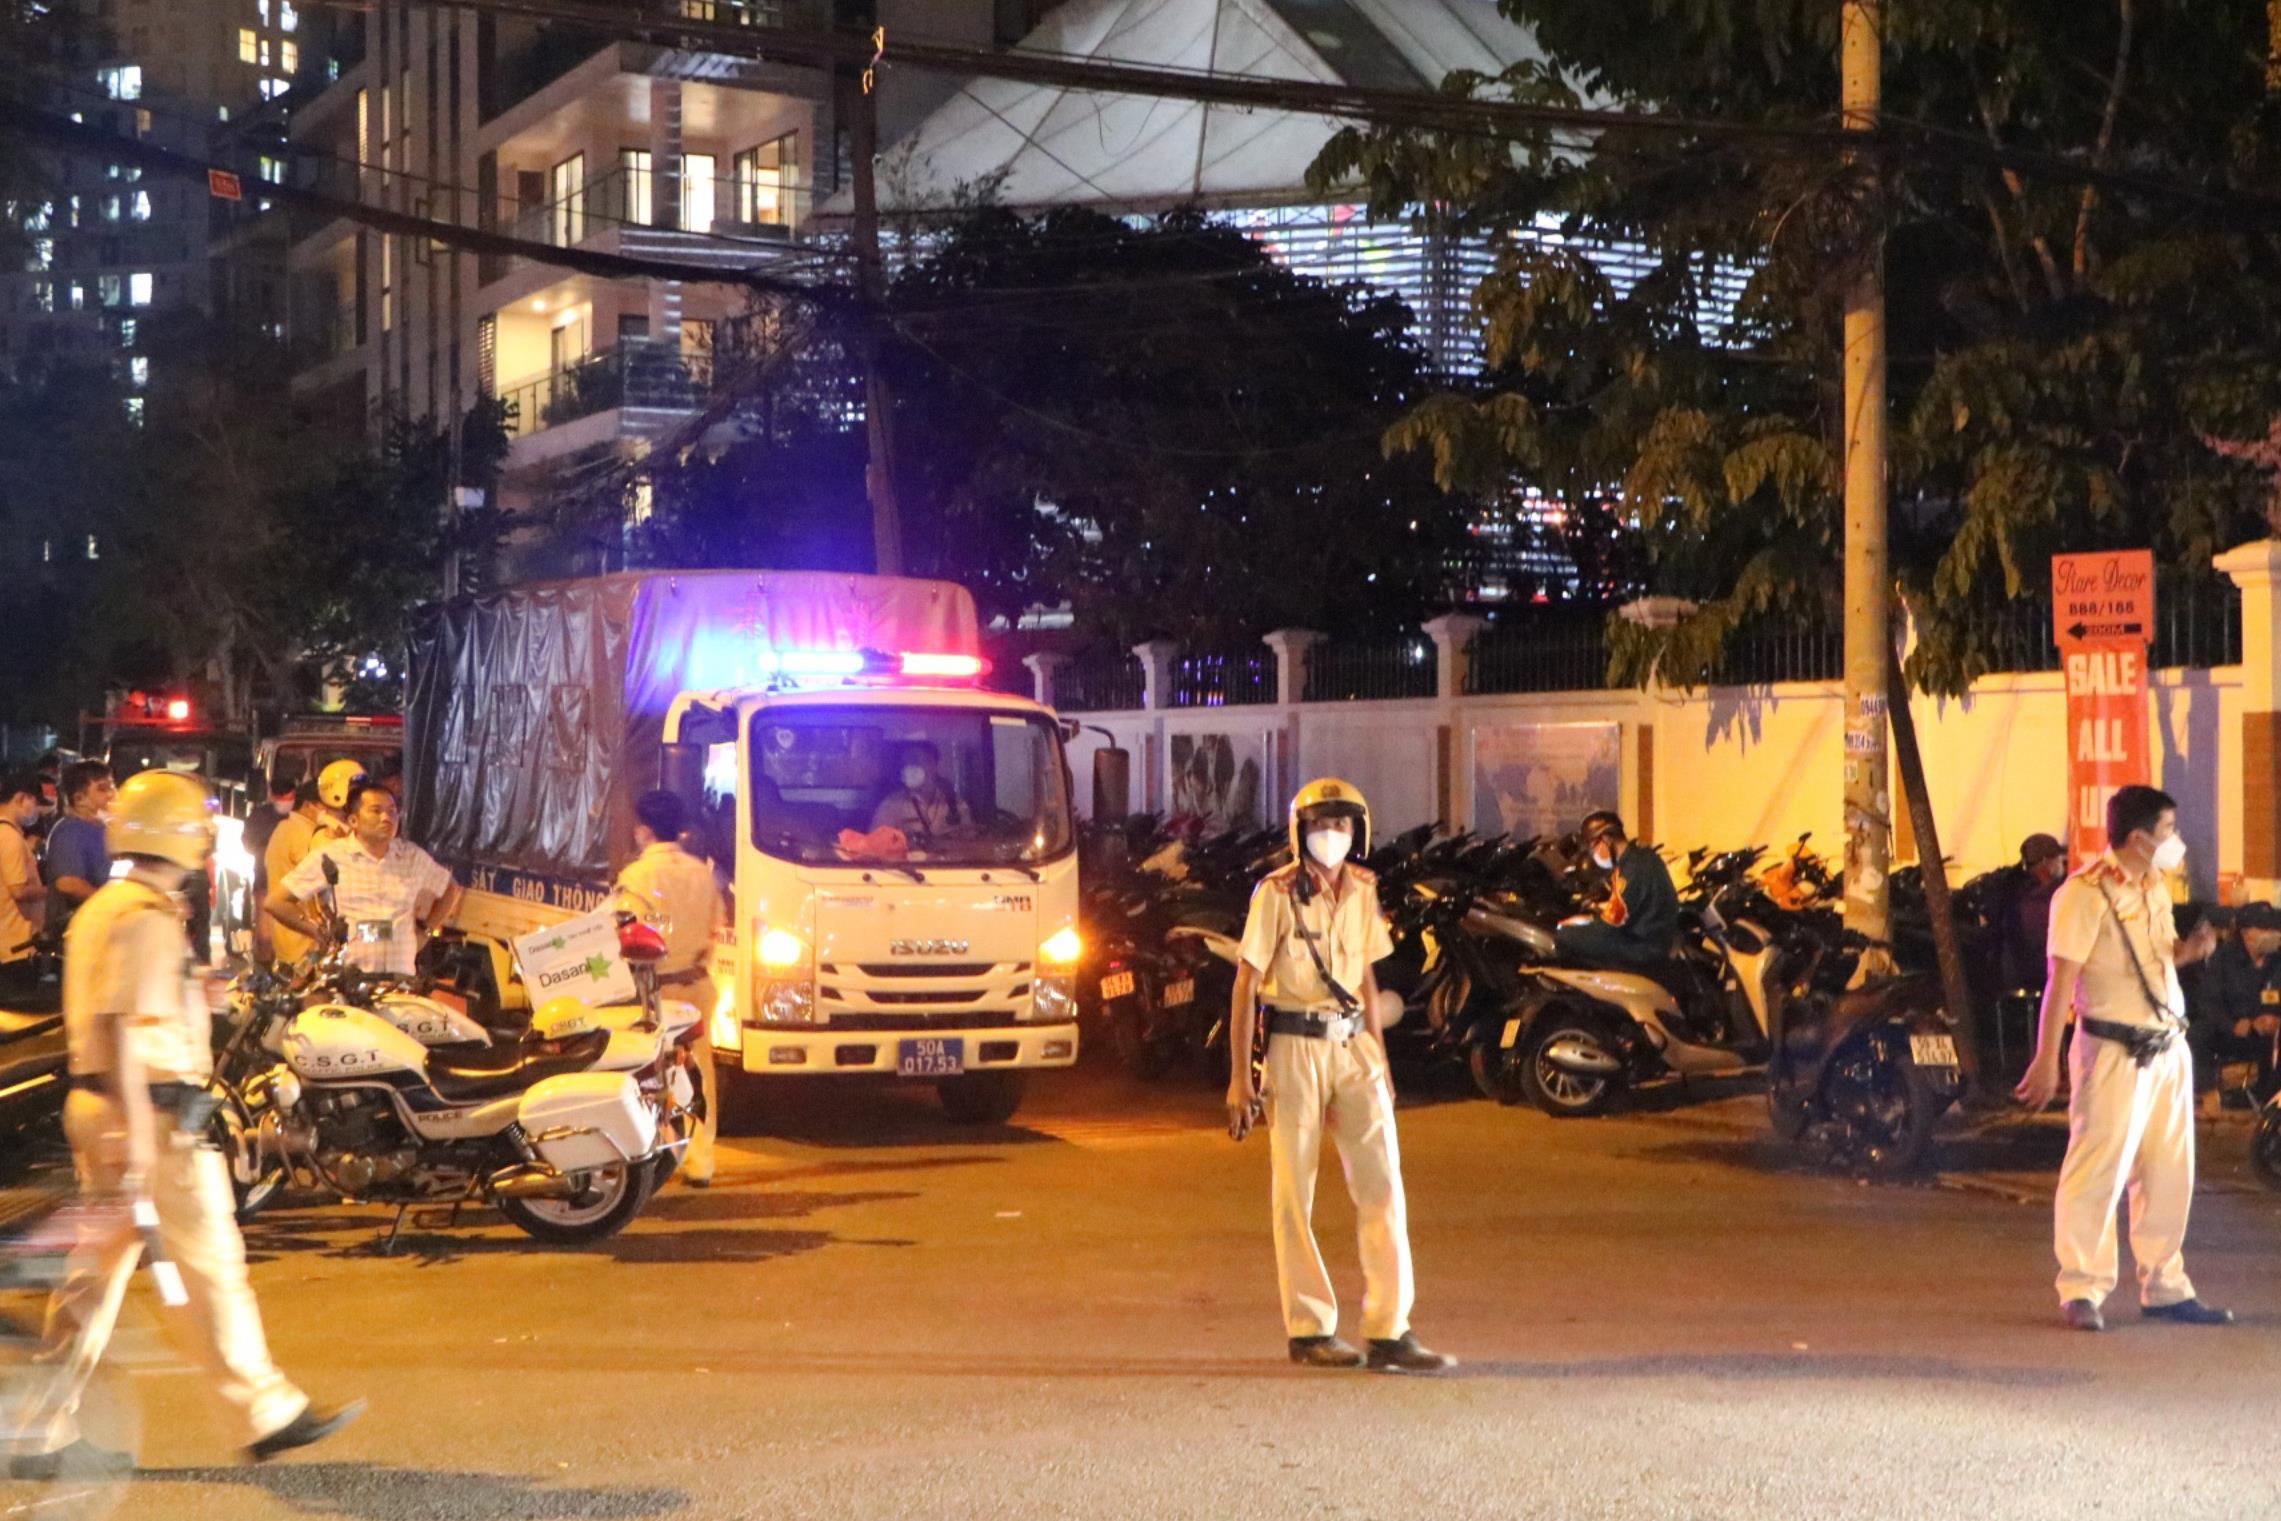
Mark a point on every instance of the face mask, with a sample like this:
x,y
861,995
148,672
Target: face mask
x,y
1603,858
2170,854
1329,847
914,777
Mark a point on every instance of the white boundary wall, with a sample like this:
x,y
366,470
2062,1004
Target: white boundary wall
x,y
1731,766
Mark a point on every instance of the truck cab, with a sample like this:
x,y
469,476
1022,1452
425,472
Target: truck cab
x,y
925,933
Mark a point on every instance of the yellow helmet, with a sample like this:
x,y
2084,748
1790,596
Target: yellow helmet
x,y
563,1015
1327,797
334,782
163,814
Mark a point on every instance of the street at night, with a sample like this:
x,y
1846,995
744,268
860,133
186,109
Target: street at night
x,y
875,1313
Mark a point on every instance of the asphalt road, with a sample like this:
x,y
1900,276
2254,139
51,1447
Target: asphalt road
x,y
875,1314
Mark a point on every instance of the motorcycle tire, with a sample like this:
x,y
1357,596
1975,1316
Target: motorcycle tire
x,y
1890,1151
982,1098
1563,1095
1496,1073
2265,1146
578,1225
1140,1056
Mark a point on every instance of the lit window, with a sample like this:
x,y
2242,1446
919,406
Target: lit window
x,y
43,296
223,112
126,332
135,410
261,9
142,122
38,220
697,192
42,255
287,17
138,371
139,288
139,210
124,82
289,56
634,163
75,211
47,551
263,60
114,207
271,169
107,289
249,45
78,296
135,416
272,88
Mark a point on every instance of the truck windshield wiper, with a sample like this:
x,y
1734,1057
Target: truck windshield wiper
x,y
909,871
1028,871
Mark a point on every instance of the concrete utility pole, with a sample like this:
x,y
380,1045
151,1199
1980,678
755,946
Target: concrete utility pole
x,y
878,401
1868,574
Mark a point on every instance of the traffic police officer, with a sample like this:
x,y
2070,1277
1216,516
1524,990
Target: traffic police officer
x,y
683,886
2115,953
140,1050
1310,942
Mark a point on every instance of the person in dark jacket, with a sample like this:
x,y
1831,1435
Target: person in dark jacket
x,y
1640,921
2043,864
2237,1016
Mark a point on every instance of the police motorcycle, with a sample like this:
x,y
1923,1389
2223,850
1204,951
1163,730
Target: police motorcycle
x,y
315,1091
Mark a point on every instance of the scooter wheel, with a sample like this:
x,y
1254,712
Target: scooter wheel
x,y
1563,1094
1496,1073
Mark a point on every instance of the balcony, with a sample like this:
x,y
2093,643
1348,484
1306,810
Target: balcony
x,y
639,374
526,67
725,221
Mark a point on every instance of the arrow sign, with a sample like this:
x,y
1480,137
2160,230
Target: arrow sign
x,y
2079,632
2107,595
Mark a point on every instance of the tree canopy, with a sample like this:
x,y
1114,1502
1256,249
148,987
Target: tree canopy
x,y
1157,425
2067,359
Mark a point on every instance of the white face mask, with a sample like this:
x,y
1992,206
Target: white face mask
x,y
1329,847
2170,854
914,777
1603,858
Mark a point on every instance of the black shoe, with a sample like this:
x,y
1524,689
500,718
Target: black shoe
x,y
2188,1312
1323,1352
2082,1315
1405,1355
81,1460
311,1425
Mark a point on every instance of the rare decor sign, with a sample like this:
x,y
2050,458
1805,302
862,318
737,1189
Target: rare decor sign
x,y
579,958
2102,614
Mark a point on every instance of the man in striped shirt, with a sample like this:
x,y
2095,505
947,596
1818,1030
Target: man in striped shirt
x,y
391,896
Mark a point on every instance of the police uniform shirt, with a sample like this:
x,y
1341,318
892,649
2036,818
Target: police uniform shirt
x,y
19,871
126,964
1350,935
683,886
2121,931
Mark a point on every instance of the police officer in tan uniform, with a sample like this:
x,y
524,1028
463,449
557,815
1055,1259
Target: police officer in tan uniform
x,y
140,1044
2115,954
1310,942
683,886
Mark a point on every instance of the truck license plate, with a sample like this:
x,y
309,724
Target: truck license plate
x,y
1116,985
1178,993
1933,1050
930,1058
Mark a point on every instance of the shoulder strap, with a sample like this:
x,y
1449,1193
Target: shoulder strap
x,y
2159,1007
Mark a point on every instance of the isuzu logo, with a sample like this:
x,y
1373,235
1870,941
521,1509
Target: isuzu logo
x,y
927,947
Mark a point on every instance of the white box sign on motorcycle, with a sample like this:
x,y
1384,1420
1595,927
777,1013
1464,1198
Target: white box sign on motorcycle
x,y
578,957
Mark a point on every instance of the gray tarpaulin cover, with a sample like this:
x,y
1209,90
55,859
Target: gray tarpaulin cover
x,y
534,715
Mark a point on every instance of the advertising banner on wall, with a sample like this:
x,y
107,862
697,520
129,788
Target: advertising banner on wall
x,y
1216,778
1540,779
2102,614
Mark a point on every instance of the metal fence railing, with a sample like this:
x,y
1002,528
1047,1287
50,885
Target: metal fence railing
x,y
1110,681
1570,655
1223,680
1361,672
639,372
1758,657
2197,623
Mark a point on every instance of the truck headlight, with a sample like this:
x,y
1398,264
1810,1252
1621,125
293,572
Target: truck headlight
x,y
1053,999
1061,948
786,1001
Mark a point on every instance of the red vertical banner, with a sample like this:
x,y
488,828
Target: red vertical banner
x,y
2106,737
2102,618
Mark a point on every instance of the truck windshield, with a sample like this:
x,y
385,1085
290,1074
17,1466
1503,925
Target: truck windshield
x,y
942,786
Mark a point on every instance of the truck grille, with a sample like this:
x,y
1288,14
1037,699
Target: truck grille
x,y
975,1019
905,995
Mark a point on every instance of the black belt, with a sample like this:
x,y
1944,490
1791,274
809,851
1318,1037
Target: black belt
x,y
2144,1042
1313,1026
189,1104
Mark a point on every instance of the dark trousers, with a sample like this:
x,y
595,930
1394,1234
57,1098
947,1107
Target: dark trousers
x,y
1604,944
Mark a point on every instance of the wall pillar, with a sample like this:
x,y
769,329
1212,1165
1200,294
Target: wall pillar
x,y
1043,666
1453,634
1156,657
1293,648
2256,568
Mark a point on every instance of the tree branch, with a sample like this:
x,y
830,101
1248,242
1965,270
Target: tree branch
x,y
2082,260
2036,240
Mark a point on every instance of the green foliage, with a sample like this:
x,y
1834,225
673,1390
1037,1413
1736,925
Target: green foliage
x,y
1157,425
2062,360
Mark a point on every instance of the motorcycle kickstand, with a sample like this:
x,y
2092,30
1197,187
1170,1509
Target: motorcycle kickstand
x,y
388,1247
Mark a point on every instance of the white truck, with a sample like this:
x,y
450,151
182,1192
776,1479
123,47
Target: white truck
x,y
782,707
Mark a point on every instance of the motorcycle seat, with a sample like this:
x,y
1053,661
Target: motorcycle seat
x,y
490,1071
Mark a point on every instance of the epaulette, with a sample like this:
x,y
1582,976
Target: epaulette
x,y
1282,877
